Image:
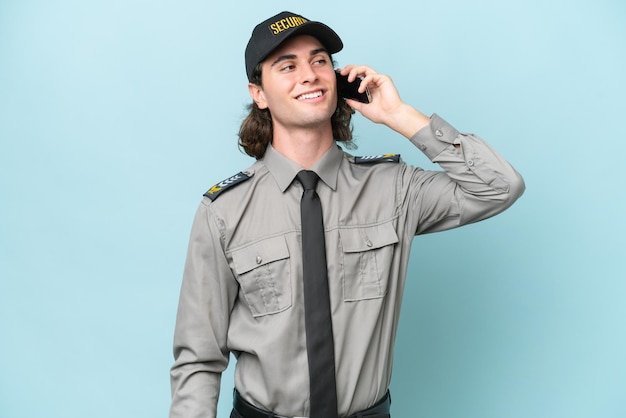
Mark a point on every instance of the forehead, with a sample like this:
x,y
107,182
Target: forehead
x,y
298,45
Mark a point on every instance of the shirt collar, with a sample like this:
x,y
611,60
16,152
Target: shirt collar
x,y
284,170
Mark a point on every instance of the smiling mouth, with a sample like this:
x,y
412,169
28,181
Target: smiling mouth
x,y
312,95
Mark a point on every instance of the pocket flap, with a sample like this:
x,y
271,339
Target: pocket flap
x,y
259,254
365,238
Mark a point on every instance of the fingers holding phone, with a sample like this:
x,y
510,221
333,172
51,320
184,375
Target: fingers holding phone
x,y
383,104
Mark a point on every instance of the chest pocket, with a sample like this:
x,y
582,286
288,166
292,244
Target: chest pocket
x,y
367,257
263,273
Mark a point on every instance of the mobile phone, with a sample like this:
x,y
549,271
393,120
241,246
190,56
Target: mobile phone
x,y
349,90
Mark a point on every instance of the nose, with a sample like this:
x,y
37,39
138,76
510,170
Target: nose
x,y
307,74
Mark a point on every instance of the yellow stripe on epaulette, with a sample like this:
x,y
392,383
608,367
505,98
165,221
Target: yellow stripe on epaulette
x,y
228,183
384,158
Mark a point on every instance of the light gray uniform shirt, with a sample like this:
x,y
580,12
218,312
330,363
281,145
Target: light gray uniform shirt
x,y
242,284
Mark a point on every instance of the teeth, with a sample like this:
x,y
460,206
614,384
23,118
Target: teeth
x,y
310,95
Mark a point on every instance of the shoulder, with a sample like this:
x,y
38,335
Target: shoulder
x,y
229,183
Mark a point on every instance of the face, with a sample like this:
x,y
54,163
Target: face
x,y
298,85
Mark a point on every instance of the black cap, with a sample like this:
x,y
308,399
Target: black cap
x,y
268,35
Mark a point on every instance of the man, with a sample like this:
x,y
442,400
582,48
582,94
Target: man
x,y
246,282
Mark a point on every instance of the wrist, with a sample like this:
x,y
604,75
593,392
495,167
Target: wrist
x,y
407,121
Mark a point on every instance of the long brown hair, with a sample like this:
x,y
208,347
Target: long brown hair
x,y
255,133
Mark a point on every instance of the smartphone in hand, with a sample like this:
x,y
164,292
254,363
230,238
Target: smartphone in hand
x,y
349,90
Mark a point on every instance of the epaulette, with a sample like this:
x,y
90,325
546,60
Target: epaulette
x,y
384,158
229,183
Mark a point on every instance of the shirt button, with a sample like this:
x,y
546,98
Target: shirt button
x,y
438,133
422,147
470,163
259,260
368,243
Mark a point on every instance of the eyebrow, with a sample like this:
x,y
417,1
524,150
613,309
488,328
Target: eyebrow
x,y
293,56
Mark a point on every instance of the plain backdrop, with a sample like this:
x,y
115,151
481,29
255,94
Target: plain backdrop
x,y
116,116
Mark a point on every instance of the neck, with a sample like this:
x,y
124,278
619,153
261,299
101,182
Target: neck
x,y
306,146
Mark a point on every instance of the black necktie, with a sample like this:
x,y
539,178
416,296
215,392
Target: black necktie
x,y
318,325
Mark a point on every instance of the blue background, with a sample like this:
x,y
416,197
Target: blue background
x,y
115,117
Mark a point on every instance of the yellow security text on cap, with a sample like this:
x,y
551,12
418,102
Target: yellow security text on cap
x,y
287,23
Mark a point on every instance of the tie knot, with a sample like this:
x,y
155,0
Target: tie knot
x,y
308,179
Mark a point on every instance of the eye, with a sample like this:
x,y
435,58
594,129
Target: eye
x,y
320,61
287,67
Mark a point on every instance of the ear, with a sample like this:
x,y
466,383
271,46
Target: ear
x,y
257,94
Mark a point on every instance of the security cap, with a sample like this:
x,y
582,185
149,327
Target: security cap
x,y
268,35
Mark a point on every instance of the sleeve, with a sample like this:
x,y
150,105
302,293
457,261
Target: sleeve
x,y
207,295
476,183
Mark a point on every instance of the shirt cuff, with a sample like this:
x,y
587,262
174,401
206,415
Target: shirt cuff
x,y
435,137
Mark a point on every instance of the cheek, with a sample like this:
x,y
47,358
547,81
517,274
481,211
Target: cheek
x,y
278,92
328,74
